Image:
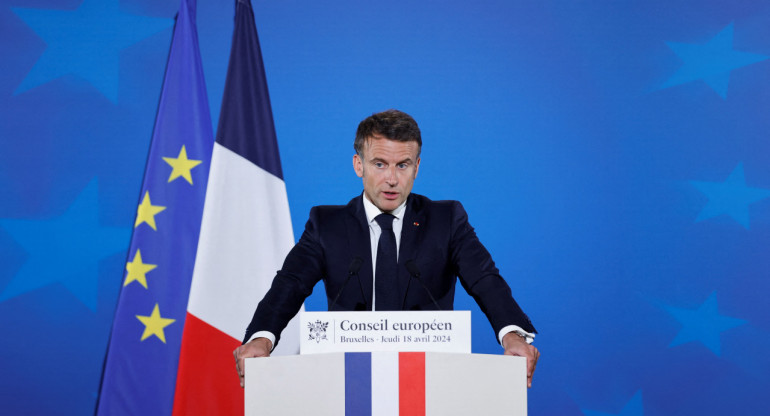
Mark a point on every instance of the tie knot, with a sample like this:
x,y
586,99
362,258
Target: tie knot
x,y
385,221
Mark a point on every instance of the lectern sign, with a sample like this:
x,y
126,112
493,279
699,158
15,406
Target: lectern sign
x,y
432,331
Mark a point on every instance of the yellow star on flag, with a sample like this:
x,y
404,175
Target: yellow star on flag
x,y
154,324
137,271
147,211
181,166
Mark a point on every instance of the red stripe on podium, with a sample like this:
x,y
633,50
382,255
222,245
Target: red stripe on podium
x,y
207,383
411,383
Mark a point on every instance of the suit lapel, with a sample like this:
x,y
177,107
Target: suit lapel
x,y
411,236
360,245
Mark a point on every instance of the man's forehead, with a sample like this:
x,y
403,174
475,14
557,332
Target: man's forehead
x,y
378,143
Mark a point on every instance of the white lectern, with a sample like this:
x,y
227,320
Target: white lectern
x,y
394,383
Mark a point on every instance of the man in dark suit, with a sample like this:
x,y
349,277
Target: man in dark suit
x,y
386,239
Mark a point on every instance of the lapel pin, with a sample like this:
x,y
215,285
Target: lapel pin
x,y
416,224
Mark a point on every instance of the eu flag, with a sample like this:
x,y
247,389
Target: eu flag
x,y
141,367
245,235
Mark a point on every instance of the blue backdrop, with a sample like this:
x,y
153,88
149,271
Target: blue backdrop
x,y
613,156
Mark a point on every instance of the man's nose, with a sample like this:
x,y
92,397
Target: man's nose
x,y
392,176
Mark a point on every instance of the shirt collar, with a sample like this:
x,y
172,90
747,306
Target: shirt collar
x,y
372,211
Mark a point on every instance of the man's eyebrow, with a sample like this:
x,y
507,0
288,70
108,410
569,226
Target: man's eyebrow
x,y
377,159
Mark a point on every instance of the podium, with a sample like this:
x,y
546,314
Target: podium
x,y
379,383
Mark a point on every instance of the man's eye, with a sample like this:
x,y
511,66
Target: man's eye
x,y
379,165
402,165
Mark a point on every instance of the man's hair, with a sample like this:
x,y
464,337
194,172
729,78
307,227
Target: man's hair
x,y
391,124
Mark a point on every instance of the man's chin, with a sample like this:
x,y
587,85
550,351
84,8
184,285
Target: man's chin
x,y
388,205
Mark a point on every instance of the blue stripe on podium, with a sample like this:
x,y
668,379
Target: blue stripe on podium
x,y
358,384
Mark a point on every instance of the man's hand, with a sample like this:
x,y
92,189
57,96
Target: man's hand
x,y
258,347
516,345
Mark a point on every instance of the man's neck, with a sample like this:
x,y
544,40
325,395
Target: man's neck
x,y
372,210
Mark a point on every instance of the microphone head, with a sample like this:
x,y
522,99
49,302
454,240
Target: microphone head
x,y
412,267
355,265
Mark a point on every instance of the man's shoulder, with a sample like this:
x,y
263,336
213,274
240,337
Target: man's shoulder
x,y
423,203
325,211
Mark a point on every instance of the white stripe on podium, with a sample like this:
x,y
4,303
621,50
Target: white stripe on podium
x,y
385,384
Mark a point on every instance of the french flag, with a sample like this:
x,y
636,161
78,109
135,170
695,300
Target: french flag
x,y
245,234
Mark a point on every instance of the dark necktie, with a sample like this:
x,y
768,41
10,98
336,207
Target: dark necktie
x,y
385,275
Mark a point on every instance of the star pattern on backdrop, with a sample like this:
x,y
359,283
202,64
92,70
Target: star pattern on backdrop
x,y
65,249
86,42
146,212
181,166
632,408
137,270
703,324
711,62
154,324
731,197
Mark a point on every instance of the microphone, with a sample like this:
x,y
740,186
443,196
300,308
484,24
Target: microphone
x,y
355,266
414,272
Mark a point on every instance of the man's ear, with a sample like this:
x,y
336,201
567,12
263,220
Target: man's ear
x,y
358,165
417,167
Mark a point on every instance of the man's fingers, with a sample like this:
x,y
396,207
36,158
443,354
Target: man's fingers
x,y
531,365
517,346
238,364
530,369
236,354
259,347
240,373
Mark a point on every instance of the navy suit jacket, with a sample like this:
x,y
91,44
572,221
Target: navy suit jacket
x,y
436,235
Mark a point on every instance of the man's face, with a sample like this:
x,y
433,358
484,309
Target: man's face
x,y
388,169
